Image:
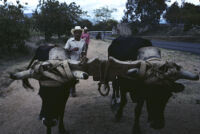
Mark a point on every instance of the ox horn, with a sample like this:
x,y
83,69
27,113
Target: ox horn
x,y
80,75
183,74
21,75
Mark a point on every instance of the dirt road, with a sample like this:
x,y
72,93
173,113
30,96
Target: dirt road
x,y
90,113
181,46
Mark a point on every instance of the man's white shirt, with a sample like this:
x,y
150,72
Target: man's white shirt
x,y
72,43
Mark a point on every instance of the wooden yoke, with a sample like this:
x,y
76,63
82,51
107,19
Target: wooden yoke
x,y
101,70
105,70
96,67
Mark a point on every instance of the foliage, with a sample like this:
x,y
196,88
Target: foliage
x,y
104,21
52,17
85,23
14,27
144,12
173,14
103,14
105,25
188,14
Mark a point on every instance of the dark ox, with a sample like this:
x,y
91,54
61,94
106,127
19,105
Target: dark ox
x,y
55,78
155,95
53,98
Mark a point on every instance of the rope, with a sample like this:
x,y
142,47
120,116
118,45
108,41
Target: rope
x,y
142,69
53,72
103,78
67,70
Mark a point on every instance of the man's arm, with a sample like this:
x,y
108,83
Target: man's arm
x,y
68,47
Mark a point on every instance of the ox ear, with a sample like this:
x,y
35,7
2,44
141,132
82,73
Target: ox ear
x,y
26,84
80,74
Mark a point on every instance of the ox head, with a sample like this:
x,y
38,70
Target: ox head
x,y
158,83
54,98
156,97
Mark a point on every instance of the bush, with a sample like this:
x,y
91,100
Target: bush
x,y
14,28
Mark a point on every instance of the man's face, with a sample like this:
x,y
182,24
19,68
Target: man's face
x,y
77,34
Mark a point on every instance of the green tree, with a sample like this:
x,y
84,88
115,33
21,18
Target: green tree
x,y
85,23
188,14
14,28
103,13
52,17
145,12
105,25
173,14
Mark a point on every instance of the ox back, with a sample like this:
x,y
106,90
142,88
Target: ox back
x,y
126,48
42,52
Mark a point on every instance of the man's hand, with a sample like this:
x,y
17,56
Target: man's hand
x,y
75,49
83,60
83,54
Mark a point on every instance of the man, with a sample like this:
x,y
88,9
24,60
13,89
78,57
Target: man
x,y
76,49
86,37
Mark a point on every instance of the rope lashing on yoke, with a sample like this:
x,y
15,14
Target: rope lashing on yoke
x,y
52,73
143,66
154,70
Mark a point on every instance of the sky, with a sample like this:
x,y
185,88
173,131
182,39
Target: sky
x,y
90,5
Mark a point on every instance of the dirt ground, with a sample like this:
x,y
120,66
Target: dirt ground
x,y
90,113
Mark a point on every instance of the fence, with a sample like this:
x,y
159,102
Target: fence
x,y
103,34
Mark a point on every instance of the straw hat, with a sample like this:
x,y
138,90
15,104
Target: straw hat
x,y
85,28
76,28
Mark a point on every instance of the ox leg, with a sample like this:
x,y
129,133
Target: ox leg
x,y
138,110
61,127
115,96
122,104
48,130
114,92
117,90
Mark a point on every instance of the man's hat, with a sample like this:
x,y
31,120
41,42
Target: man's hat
x,y
85,28
76,28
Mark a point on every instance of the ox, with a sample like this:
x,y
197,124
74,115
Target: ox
x,y
54,91
157,94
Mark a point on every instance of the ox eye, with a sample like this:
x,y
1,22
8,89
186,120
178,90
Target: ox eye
x,y
163,68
